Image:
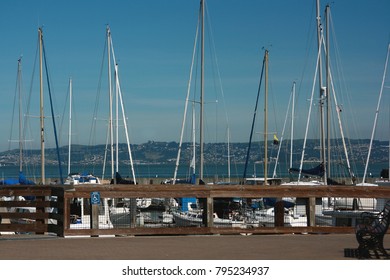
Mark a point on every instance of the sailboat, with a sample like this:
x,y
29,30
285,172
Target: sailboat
x,y
265,180
42,65
73,177
327,98
323,173
369,204
123,212
262,214
22,180
113,128
190,213
379,182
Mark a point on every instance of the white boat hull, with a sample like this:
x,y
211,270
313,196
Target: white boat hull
x,y
194,219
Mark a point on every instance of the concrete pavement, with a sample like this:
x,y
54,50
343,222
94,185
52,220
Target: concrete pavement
x,y
211,247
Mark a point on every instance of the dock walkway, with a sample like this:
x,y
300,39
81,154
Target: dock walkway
x,y
210,247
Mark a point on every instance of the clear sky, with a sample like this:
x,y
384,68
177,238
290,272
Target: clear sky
x,y
153,41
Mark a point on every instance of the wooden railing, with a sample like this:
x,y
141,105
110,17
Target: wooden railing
x,y
32,215
44,220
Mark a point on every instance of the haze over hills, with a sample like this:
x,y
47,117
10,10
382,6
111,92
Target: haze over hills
x,y
154,152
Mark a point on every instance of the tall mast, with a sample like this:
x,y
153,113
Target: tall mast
x,y
110,124
116,118
283,130
328,96
376,115
185,112
20,114
42,117
193,160
292,125
70,123
266,118
201,94
228,152
322,127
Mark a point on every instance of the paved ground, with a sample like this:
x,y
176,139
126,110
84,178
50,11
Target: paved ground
x,y
215,247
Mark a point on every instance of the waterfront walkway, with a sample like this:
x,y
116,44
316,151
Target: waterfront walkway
x,y
214,247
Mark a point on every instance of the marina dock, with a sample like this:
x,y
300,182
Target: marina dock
x,y
210,247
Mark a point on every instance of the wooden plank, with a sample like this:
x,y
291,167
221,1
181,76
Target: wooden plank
x,y
162,191
32,216
28,203
24,227
207,230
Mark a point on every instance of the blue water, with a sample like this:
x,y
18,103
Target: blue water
x,y
156,172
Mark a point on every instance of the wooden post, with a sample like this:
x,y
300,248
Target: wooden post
x,y
279,213
94,217
40,222
311,211
63,208
208,211
133,212
94,213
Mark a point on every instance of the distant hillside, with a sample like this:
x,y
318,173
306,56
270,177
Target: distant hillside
x,y
154,152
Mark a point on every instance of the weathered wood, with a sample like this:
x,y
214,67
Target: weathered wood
x,y
207,193
207,230
94,216
33,227
279,213
30,216
311,211
166,191
209,203
28,203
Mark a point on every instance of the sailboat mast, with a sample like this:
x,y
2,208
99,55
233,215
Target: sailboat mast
x,y
201,136
20,114
70,124
327,94
193,160
322,98
110,124
282,136
185,112
376,115
292,125
120,99
42,117
116,118
228,152
266,118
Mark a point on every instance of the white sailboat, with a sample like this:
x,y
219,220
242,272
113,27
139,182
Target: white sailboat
x,y
190,213
382,182
124,212
80,214
42,63
323,173
266,217
112,144
76,178
347,211
327,100
366,203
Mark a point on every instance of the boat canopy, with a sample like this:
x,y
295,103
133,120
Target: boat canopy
x,y
316,171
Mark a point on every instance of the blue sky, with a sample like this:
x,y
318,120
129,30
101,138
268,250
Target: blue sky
x,y
153,43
